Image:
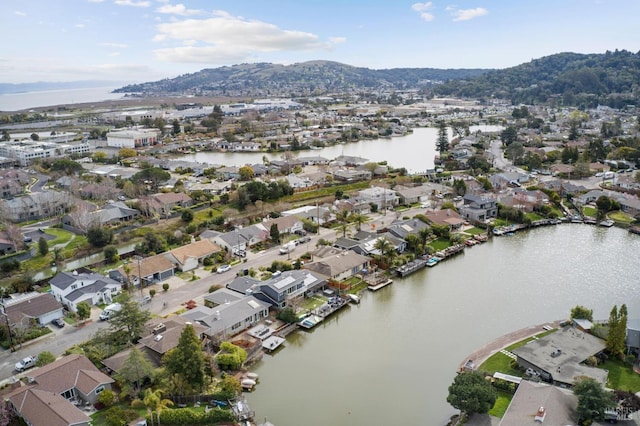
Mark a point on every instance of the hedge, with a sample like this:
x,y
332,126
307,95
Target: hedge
x,y
185,416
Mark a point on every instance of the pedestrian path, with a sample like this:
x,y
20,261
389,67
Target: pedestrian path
x,y
507,353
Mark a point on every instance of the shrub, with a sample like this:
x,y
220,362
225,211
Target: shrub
x,y
152,292
165,287
107,398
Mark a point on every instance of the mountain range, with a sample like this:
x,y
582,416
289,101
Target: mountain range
x,y
611,78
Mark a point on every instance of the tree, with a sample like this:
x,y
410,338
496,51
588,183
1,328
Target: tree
x,y
107,398
35,137
154,402
43,246
187,360
274,233
581,312
359,219
593,399
617,335
246,173
459,186
230,357
128,322
509,135
83,309
99,157
472,393
152,176
127,153
44,358
176,127
342,216
443,137
99,236
134,371
187,215
111,254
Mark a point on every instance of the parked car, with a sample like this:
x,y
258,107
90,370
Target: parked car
x,y
301,232
58,322
223,268
531,372
26,363
240,253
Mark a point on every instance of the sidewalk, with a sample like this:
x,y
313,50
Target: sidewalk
x,y
481,355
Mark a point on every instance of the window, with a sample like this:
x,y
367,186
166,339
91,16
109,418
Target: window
x,y
99,389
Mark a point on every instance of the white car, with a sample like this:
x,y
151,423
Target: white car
x,y
223,268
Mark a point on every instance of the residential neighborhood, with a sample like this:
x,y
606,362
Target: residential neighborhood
x,y
194,250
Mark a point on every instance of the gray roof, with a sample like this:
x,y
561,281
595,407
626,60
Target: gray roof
x,y
222,317
290,278
242,284
406,227
559,406
223,296
564,366
62,280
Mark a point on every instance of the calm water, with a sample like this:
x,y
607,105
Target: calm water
x,y
20,101
390,360
415,152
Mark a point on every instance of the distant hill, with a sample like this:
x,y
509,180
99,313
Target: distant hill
x,y
587,80
7,88
301,79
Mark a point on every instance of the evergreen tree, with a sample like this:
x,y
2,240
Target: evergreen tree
x,y
133,372
274,233
472,393
186,362
129,321
616,337
593,399
43,246
443,137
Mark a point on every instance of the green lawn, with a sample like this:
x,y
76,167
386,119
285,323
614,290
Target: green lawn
x,y
589,211
499,362
621,376
62,236
475,231
533,216
618,216
501,405
440,244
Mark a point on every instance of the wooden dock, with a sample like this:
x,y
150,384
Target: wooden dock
x,y
383,283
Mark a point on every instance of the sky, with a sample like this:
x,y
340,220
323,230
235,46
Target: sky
x,y
133,41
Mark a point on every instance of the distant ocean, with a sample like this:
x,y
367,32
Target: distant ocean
x,y
26,100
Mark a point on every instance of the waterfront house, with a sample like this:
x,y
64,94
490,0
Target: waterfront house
x,y
478,208
71,288
540,403
559,356
402,228
340,266
281,290
446,217
229,319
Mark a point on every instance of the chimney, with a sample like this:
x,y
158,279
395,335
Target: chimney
x,y
540,415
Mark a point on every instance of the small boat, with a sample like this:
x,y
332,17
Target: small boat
x,y
248,383
353,298
432,261
252,376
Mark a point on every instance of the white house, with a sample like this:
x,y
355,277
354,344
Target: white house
x,y
71,288
131,138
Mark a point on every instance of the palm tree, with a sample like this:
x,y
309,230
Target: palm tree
x,y
154,402
384,246
359,219
342,216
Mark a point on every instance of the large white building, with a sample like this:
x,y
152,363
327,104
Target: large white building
x,y
26,151
132,138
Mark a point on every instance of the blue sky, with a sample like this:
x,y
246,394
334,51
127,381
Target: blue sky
x,y
145,40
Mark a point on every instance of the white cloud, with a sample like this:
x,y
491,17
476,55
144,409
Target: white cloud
x,y
19,13
80,26
338,40
113,54
178,9
224,38
116,45
424,9
95,1
133,3
466,14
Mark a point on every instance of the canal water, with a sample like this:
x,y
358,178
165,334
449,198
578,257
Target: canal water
x,y
390,360
415,151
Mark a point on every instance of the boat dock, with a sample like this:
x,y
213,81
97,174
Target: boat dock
x,y
450,251
272,343
381,284
318,315
411,267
